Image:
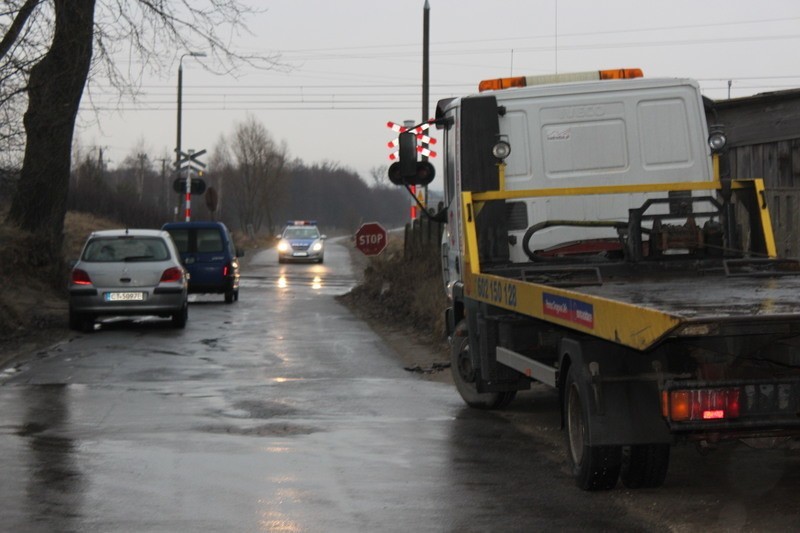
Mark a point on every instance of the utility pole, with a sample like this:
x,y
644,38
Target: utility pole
x,y
180,107
100,163
426,12
140,178
164,189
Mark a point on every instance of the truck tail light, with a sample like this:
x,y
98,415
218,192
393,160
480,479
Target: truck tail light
x,y
80,277
700,404
226,270
171,274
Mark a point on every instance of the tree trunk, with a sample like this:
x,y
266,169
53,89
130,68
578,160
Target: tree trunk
x,y
54,94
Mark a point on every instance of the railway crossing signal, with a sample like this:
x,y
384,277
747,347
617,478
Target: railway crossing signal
x,y
191,163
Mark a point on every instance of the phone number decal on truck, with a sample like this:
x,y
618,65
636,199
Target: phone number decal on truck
x,y
568,309
497,291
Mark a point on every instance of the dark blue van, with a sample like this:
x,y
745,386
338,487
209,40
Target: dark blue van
x,y
208,253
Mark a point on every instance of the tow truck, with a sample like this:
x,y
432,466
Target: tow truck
x,y
594,245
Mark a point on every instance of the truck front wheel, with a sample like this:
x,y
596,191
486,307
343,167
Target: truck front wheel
x,y
465,375
593,467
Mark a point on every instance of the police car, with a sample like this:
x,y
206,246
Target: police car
x,y
301,241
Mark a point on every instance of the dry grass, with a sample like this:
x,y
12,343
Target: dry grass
x,y
259,242
78,226
31,300
400,291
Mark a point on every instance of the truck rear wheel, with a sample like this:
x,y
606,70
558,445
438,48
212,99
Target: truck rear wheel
x,y
645,466
464,375
593,467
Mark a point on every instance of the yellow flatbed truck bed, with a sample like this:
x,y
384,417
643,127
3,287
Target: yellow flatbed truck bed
x,y
638,310
637,304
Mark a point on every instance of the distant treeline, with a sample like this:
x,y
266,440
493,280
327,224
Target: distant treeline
x,y
140,195
337,197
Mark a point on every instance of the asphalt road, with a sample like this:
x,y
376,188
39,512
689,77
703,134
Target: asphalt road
x,y
283,412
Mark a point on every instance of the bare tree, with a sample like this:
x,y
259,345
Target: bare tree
x,y
54,91
221,173
259,178
380,175
139,168
55,76
23,44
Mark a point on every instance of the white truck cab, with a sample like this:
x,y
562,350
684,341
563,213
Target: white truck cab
x,y
566,135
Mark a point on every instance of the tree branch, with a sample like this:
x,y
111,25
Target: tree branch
x,y
16,26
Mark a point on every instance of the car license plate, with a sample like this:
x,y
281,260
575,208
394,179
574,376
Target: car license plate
x,y
124,296
300,254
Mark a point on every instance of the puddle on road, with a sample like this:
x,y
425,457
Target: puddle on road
x,y
251,409
265,430
317,283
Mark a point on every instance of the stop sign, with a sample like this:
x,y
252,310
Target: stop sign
x,y
371,238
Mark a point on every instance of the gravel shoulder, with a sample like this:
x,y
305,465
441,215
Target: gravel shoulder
x,y
429,358
420,353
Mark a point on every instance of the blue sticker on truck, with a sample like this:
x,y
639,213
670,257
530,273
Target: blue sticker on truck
x,y
568,309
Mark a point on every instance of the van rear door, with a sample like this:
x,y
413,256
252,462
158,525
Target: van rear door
x,y
209,257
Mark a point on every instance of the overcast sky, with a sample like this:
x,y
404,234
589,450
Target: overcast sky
x,y
354,65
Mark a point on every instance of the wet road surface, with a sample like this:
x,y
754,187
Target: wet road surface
x,y
283,412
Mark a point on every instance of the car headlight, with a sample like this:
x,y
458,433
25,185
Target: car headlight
x,y
283,246
317,246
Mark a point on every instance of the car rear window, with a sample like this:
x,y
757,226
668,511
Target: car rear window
x,y
109,249
209,240
181,239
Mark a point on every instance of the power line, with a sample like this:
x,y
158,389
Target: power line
x,y
377,55
550,36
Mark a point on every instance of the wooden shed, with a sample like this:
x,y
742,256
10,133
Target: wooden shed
x,y
764,142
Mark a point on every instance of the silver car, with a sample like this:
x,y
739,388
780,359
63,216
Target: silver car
x,y
128,272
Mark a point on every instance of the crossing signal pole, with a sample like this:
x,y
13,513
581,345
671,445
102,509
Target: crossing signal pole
x,y
190,162
426,12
